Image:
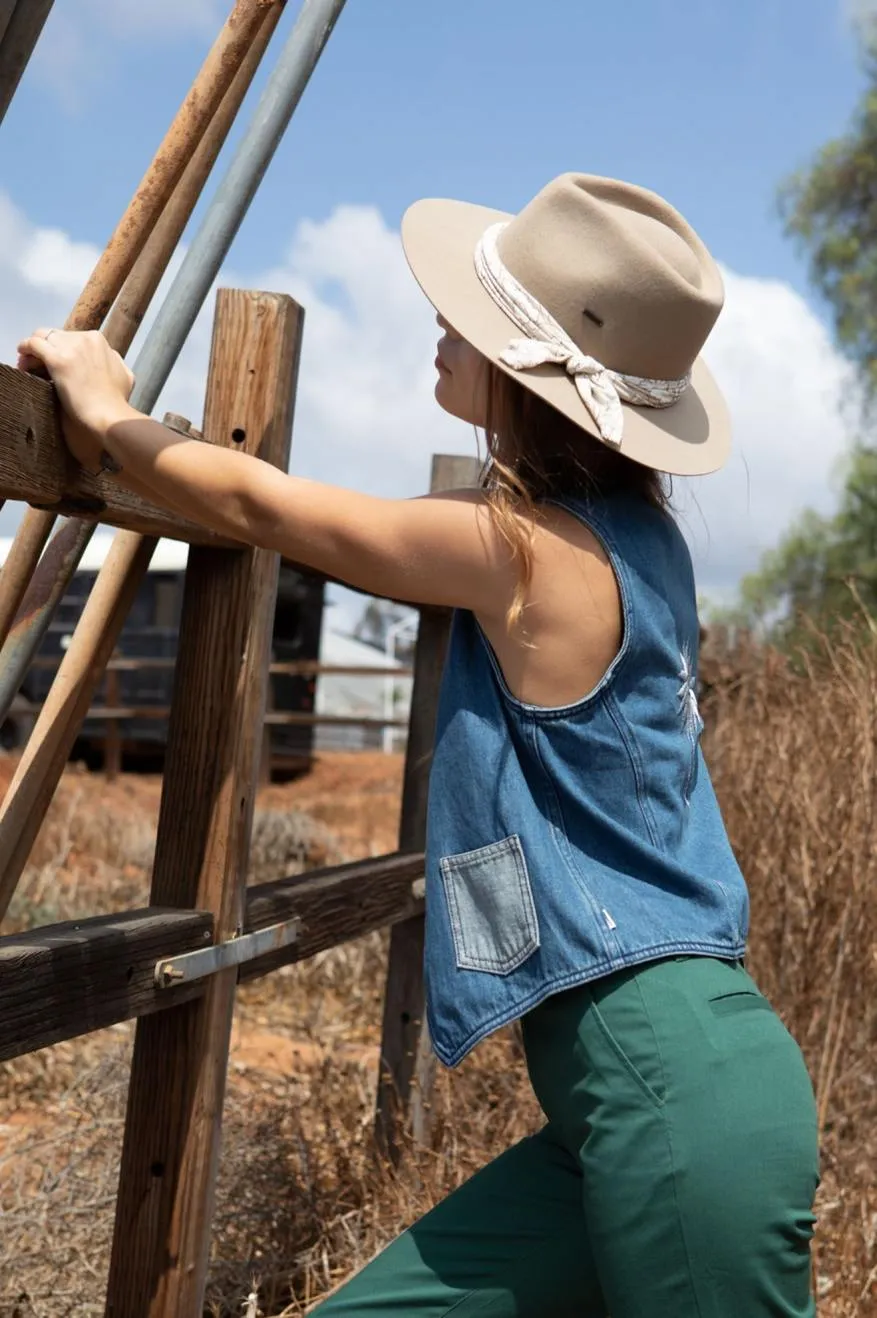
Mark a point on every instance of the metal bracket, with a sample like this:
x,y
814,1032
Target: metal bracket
x,y
221,956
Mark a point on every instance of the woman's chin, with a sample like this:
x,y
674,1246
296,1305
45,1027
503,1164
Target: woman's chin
x,y
445,397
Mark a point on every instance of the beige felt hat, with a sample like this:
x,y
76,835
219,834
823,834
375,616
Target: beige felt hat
x,y
598,297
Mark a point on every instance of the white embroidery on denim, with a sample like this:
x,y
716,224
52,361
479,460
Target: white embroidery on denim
x,y
687,695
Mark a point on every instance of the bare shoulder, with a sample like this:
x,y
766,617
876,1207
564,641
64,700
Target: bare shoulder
x,y
571,626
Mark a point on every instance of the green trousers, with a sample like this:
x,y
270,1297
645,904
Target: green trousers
x,y
674,1178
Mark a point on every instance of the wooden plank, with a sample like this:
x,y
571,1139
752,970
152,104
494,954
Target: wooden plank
x,y
407,1061
294,668
274,718
35,468
162,1234
69,979
334,905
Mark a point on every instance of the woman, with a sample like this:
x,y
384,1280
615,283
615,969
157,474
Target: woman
x,y
578,872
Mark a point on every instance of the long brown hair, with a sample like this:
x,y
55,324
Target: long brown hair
x,y
536,453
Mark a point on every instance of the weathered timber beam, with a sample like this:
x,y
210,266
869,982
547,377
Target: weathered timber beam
x,y
35,468
334,905
69,979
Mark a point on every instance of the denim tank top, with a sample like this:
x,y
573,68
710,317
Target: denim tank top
x,y
566,843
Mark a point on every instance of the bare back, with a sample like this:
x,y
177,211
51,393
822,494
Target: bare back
x,y
571,626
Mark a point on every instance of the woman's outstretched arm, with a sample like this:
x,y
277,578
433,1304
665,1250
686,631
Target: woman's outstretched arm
x,y
441,549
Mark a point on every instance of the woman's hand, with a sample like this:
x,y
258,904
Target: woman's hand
x,y
93,384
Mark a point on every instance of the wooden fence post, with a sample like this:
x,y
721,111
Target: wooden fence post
x,y
407,1065
161,1243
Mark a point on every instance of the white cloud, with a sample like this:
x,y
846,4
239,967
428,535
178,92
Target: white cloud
x,y
366,417
133,18
41,270
860,11
793,406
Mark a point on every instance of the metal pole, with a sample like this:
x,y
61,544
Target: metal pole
x,y
234,195
7,9
190,288
21,31
94,638
139,289
31,589
204,105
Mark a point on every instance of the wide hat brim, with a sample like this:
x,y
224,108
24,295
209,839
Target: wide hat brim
x,y
690,438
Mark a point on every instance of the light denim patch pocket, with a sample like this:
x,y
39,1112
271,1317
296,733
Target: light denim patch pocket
x,y
490,903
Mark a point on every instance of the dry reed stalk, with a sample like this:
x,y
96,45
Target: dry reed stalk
x,y
303,1201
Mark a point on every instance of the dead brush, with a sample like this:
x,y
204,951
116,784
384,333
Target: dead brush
x,y
94,856
302,1198
792,746
336,1202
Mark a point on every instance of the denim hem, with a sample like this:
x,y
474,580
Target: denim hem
x,y
452,1057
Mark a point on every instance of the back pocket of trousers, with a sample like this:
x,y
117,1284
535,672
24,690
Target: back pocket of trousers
x,y
731,1004
491,907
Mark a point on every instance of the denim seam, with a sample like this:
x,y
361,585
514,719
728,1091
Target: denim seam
x,y
573,979
561,836
626,734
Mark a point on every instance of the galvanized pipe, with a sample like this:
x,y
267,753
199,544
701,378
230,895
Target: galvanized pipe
x,y
141,250
21,31
30,793
27,546
47,588
42,764
181,141
210,247
127,315
24,622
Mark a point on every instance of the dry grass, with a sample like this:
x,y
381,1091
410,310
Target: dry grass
x,y
94,853
793,749
302,1200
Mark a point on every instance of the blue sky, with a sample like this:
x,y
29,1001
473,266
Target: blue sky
x,y
709,103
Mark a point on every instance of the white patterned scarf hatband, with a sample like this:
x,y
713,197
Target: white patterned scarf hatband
x,y
601,390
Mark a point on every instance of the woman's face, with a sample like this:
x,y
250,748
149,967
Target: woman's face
x,y
461,388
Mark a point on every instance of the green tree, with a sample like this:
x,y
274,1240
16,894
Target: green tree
x,y
826,567
830,210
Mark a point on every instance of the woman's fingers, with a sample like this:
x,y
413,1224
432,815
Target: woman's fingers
x,y
90,376
41,346
35,354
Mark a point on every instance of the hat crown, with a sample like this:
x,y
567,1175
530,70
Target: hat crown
x,y
620,270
